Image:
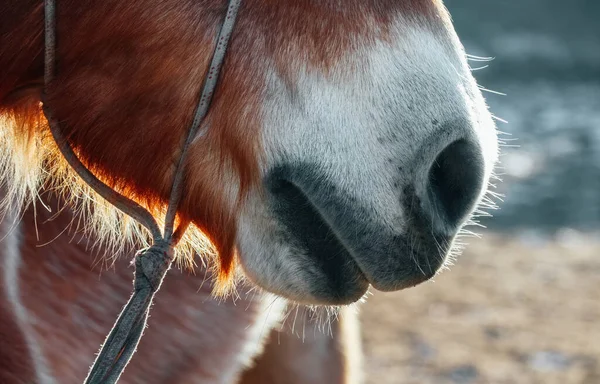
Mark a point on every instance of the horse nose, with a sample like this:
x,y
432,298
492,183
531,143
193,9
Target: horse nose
x,y
453,185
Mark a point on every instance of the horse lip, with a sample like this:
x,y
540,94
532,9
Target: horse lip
x,y
314,218
307,228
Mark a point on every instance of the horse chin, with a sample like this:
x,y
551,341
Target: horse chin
x,y
328,274
304,277
298,255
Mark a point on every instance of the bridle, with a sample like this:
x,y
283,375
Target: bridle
x,y
151,264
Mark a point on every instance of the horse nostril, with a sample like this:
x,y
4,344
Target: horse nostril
x,y
454,183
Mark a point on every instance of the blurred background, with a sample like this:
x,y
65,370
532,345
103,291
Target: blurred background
x,y
522,305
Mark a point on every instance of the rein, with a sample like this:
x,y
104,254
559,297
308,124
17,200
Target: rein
x,y
151,264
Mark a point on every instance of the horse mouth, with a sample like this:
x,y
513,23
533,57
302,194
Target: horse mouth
x,y
340,279
347,247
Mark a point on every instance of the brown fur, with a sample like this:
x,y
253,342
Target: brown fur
x,y
15,362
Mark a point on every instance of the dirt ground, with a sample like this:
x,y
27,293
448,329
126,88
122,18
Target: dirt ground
x,y
509,311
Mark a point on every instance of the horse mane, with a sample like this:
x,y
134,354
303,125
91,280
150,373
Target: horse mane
x,y
31,166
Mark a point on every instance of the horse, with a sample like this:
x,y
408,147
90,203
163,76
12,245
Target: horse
x,y
346,147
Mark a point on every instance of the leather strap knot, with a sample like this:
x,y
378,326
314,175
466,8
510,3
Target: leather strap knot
x,y
151,265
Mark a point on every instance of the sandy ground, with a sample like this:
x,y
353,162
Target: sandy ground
x,y
509,311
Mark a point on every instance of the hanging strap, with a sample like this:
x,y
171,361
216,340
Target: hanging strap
x,y
151,264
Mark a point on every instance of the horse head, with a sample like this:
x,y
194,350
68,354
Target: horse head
x,y
346,145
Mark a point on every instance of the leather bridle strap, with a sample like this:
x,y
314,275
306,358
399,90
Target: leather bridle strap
x,y
151,264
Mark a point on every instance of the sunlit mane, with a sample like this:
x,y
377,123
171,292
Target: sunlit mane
x,y
31,167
